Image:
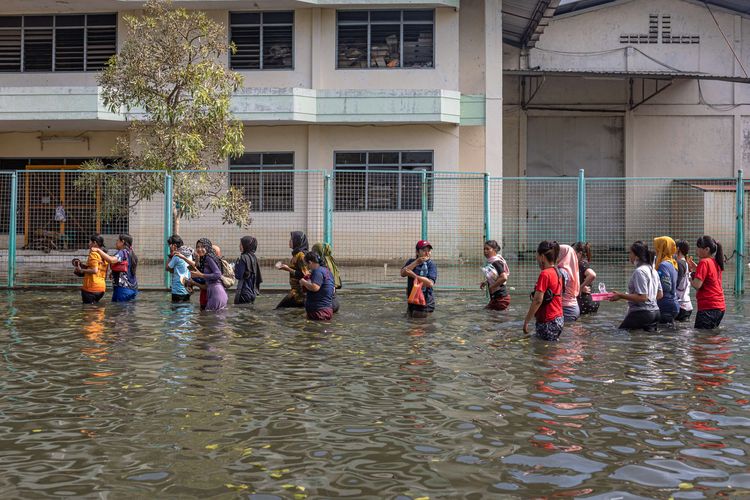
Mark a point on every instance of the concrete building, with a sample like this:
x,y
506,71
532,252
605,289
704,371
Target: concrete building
x,y
512,88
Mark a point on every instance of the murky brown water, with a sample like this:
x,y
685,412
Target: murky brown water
x,y
149,400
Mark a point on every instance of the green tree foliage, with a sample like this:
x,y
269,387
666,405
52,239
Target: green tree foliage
x,y
170,79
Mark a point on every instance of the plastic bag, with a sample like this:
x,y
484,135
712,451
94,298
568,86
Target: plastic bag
x,y
416,296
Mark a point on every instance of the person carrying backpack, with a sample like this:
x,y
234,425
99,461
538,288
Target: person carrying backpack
x,y
546,301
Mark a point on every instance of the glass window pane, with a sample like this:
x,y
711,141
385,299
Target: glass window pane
x,y
416,157
348,159
282,159
277,46
352,16
101,20
278,17
247,159
77,21
418,46
384,158
69,49
10,21
352,46
244,18
419,15
247,40
37,50
37,21
385,42
385,15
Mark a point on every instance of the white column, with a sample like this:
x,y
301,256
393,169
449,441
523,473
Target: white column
x,y
493,83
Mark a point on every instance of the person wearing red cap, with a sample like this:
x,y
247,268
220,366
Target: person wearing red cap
x,y
423,269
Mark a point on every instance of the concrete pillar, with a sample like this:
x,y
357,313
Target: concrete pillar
x,y
493,83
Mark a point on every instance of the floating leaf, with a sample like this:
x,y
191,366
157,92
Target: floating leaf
x,y
686,486
212,446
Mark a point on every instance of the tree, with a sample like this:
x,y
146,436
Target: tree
x,y
169,77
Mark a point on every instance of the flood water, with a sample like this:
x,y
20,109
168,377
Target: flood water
x,y
151,400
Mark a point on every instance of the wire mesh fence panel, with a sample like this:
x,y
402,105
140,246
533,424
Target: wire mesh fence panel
x,y
377,219
6,179
621,211
526,211
59,211
281,201
455,227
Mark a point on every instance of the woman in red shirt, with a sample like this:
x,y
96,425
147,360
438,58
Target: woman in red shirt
x,y
546,301
707,280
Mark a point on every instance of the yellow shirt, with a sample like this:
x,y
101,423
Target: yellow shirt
x,y
95,283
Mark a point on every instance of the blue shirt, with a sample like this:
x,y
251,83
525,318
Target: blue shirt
x,y
180,273
668,278
323,298
427,270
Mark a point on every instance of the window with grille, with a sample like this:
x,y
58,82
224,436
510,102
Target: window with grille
x,y
266,179
76,42
382,180
385,38
264,40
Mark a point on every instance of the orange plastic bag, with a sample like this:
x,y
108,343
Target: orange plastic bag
x,y
416,297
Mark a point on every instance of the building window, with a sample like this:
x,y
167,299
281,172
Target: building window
x,y
381,180
385,38
266,179
264,40
77,42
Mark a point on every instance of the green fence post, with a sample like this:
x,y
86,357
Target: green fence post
x,y
424,204
486,206
327,209
581,205
168,204
12,230
739,277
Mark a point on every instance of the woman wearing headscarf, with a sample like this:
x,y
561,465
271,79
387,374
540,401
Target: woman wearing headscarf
x,y
296,269
666,267
567,262
326,255
208,268
247,272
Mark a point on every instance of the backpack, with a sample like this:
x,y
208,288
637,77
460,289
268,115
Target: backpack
x,y
548,295
227,274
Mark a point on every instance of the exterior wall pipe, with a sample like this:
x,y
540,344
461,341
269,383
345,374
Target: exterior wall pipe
x,y
739,276
12,230
168,205
581,206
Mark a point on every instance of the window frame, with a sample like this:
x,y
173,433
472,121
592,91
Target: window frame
x,y
401,23
259,169
260,26
400,172
54,28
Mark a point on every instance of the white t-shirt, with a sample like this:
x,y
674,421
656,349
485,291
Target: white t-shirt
x,y
644,281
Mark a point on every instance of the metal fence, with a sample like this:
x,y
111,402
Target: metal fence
x,y
372,218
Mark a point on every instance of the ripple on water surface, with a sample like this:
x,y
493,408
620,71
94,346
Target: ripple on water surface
x,y
154,400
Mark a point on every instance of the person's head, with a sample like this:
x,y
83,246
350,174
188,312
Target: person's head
x,y
313,260
175,242
204,247
547,253
491,248
709,247
217,250
683,248
248,244
124,240
583,250
640,254
298,242
96,241
424,249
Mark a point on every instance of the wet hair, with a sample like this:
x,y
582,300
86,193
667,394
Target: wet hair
x,y
683,247
128,240
584,248
97,238
314,257
175,240
550,250
493,245
714,247
641,251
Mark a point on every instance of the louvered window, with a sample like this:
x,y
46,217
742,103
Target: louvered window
x,y
80,42
264,40
266,180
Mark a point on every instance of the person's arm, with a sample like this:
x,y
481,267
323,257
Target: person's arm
x,y
697,283
699,274
239,269
84,269
408,271
314,283
588,278
630,297
170,265
536,303
189,262
111,259
501,280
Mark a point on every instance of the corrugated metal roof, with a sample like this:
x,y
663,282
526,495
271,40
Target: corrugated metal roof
x,y
741,6
524,20
659,75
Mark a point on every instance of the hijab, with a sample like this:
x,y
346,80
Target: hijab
x,y
326,255
568,262
249,246
210,253
665,250
299,242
